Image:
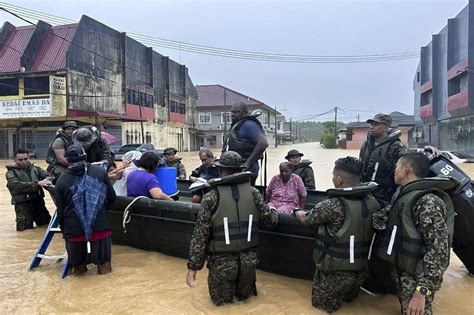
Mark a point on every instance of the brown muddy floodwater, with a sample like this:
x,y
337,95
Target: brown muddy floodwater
x,y
144,281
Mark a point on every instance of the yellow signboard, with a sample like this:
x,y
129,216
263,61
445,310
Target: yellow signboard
x,y
58,95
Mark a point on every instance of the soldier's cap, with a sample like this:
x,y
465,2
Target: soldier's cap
x,y
381,119
70,124
292,153
84,136
170,150
75,153
229,159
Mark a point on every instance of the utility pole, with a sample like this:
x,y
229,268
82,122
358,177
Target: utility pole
x,y
276,135
335,126
358,118
296,130
291,133
224,138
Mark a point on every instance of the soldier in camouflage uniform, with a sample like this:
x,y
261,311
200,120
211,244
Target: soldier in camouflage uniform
x,y
25,182
171,160
301,168
418,231
221,234
344,235
57,148
379,155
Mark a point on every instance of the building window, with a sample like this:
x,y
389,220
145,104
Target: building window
x,y
9,87
36,85
140,98
457,84
426,98
229,118
204,118
176,107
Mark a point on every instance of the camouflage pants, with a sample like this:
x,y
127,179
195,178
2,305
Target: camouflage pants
x,y
406,286
29,212
331,289
232,275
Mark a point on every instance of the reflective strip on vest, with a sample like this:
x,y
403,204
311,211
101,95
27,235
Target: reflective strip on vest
x,y
351,249
226,231
392,240
375,171
249,234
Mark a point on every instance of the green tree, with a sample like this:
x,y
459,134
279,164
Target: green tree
x,y
328,137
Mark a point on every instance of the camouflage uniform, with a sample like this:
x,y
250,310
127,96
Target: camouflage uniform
x,y
230,274
387,157
180,170
27,195
306,173
331,289
429,215
395,151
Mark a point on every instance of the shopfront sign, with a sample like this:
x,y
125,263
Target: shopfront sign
x,y
37,107
53,105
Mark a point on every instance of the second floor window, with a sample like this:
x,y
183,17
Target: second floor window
x,y
139,98
36,85
9,87
176,107
226,115
204,118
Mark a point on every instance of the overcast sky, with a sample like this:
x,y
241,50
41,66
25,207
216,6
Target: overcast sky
x,y
290,27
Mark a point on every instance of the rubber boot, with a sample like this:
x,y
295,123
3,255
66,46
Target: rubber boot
x,y
80,270
104,268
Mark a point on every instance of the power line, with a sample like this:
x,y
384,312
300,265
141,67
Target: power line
x,y
231,53
59,94
239,54
113,61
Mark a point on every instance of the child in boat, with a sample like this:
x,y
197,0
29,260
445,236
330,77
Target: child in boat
x,y
206,171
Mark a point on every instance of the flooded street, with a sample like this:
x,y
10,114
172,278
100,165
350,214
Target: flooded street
x,y
144,281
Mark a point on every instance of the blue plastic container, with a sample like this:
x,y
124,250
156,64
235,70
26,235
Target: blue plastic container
x,y
167,178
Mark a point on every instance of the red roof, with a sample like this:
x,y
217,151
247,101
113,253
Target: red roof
x,y
213,95
13,48
52,54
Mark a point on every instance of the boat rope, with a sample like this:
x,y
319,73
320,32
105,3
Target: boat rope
x,y
367,291
126,213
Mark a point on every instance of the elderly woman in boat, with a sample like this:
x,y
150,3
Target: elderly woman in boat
x,y
286,191
143,182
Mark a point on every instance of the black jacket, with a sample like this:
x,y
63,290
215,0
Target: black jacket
x,y
68,221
